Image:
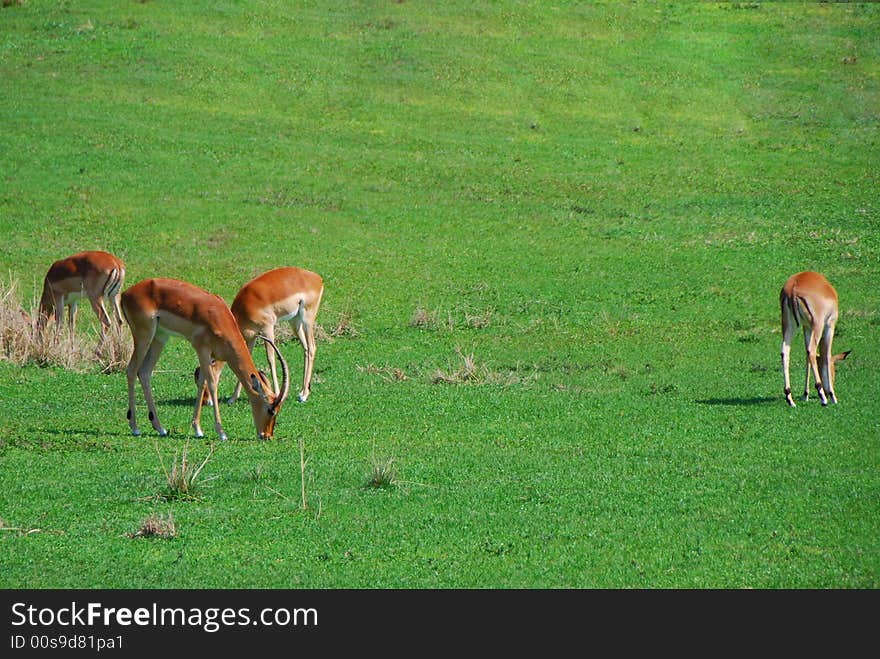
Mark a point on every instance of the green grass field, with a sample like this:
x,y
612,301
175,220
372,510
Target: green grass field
x,y
596,203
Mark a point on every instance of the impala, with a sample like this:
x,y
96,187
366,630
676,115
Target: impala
x,y
97,275
810,301
290,294
156,309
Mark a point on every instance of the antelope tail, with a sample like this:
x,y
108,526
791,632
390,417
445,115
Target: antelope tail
x,y
790,302
113,283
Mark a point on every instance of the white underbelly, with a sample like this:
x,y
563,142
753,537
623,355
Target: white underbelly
x,y
172,325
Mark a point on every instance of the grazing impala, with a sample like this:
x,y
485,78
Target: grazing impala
x,y
290,294
809,300
155,309
97,275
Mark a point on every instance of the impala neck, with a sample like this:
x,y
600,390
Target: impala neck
x,y
242,364
47,300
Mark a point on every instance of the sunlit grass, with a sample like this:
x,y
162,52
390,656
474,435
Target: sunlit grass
x,y
552,240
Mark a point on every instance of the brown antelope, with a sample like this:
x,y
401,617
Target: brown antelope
x,y
96,275
810,301
290,294
156,309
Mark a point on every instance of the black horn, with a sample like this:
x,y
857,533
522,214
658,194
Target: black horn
x,y
285,374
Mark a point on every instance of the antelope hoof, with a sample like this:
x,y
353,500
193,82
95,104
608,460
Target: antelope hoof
x,y
136,432
199,433
162,432
301,397
223,437
230,400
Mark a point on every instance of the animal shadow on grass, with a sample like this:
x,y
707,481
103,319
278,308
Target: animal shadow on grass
x,y
738,402
82,433
185,402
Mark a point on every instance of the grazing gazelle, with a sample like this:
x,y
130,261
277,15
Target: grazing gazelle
x,y
290,294
96,275
809,300
156,309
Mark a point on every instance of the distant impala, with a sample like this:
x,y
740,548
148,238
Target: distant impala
x,y
95,275
290,294
809,300
156,309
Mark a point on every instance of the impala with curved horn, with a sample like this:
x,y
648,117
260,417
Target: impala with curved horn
x,y
282,294
95,275
156,309
810,301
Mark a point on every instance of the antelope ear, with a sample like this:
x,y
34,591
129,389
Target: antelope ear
x,y
841,356
258,387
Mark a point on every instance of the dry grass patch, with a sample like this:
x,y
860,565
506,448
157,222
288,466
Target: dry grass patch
x,y
342,328
615,369
114,351
20,530
387,373
383,474
432,320
182,479
156,526
22,342
479,320
470,371
423,319
467,372
862,314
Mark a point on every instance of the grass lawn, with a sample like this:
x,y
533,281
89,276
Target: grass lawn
x,y
552,237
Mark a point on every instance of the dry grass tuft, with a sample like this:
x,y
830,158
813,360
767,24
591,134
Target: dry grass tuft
x,y
183,477
424,319
22,343
156,526
383,474
257,473
867,314
432,320
344,327
472,372
479,320
20,530
467,372
284,333
387,373
114,351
